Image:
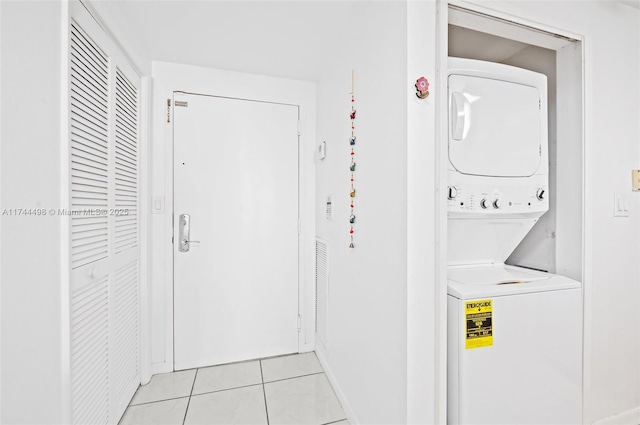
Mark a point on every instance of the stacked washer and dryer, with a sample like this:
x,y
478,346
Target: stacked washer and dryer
x,y
514,334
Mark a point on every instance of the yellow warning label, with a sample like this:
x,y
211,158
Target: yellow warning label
x,y
478,314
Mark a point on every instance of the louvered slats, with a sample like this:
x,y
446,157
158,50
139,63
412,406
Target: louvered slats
x,y
89,127
124,320
90,353
126,160
103,205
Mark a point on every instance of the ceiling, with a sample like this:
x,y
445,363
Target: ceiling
x,y
632,3
289,39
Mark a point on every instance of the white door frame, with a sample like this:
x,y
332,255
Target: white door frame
x,y
170,77
520,29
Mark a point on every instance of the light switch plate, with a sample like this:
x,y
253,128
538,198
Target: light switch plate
x,y
635,180
157,205
621,205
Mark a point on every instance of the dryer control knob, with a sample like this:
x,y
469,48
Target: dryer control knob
x,y
484,204
497,203
452,192
540,194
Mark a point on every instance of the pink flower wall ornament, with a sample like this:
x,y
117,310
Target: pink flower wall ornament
x,y
422,87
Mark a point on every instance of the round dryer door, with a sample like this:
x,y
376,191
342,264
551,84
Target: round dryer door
x,y
496,128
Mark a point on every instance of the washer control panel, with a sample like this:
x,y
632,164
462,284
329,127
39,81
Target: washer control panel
x,y
503,198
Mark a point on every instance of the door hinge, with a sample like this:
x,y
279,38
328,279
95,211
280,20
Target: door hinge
x,y
171,239
168,110
299,127
299,323
299,225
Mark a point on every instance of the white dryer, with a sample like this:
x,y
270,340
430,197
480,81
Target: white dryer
x,y
514,334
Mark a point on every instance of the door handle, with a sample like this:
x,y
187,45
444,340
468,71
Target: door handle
x,y
459,110
184,230
186,243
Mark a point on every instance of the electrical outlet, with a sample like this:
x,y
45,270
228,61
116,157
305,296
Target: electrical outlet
x,y
635,180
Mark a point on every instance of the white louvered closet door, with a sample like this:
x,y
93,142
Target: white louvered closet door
x,y
103,167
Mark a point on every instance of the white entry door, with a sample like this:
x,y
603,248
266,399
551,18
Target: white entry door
x,y
236,188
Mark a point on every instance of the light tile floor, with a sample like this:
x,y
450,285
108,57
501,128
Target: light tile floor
x,y
287,390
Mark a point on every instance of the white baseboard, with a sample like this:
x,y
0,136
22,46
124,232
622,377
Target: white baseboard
x,y
306,347
322,357
630,417
162,367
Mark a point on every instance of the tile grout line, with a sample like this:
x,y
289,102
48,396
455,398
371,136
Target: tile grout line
x,y
264,393
263,383
189,401
294,377
156,401
226,389
247,386
335,422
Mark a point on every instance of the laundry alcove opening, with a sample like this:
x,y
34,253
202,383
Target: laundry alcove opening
x,y
555,242
553,245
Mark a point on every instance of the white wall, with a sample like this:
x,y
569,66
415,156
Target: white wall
x,y
31,318
612,274
538,248
319,42
426,216
381,285
367,285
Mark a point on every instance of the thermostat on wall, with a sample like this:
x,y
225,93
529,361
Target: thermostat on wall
x,y
329,209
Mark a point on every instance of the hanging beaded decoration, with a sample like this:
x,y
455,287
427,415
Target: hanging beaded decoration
x,y
352,165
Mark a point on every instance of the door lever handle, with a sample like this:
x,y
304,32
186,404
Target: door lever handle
x,y
184,228
184,242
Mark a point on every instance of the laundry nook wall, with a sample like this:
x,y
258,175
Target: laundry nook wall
x,y
610,50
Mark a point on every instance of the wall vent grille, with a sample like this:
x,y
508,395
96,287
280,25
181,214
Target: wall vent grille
x,y
322,291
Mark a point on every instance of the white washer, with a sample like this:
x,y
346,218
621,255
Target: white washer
x,y
531,374
514,334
